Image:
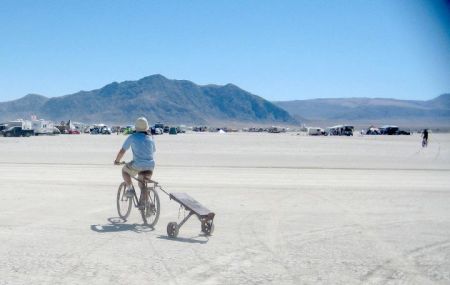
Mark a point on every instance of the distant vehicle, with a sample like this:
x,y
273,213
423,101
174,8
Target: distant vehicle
x,y
3,127
56,131
74,132
166,129
276,130
42,127
26,125
256,130
373,131
100,130
173,131
393,130
389,130
200,129
228,130
127,130
115,129
105,131
403,132
314,131
94,131
17,132
156,131
340,130
181,129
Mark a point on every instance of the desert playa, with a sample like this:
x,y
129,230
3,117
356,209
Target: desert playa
x,y
290,209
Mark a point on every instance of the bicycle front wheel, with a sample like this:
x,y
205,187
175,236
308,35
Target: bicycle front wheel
x,y
150,213
123,202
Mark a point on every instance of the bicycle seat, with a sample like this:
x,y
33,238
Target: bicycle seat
x,y
145,173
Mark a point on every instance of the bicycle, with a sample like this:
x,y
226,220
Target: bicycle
x,y
424,142
149,209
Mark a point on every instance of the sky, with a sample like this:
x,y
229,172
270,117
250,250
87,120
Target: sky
x,y
280,50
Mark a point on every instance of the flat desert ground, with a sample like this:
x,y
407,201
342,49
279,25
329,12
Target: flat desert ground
x,y
290,209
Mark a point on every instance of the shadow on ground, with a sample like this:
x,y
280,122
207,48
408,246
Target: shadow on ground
x,y
187,240
117,225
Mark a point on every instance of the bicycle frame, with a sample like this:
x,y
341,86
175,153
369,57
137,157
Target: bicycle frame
x,y
145,182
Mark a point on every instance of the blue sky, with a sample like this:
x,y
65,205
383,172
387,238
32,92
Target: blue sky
x,y
280,50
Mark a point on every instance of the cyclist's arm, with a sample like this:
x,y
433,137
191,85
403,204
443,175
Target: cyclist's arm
x,y
126,145
119,156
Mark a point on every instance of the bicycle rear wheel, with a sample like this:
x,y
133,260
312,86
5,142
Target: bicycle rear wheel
x,y
123,202
150,214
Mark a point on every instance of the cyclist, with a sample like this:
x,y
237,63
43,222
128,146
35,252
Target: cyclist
x,y
425,138
143,164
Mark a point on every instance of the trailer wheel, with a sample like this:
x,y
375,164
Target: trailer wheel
x,y
172,229
208,227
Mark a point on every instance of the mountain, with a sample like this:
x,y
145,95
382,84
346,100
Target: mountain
x,y
22,108
157,98
364,111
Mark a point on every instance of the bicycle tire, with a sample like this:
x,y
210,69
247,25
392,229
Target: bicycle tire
x,y
154,210
123,203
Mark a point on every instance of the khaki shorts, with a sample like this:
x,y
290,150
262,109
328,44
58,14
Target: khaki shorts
x,y
133,171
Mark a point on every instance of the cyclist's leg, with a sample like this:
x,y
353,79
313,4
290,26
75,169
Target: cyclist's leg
x,y
127,172
127,178
144,175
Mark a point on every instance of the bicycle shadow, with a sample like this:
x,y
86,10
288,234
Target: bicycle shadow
x,y
118,225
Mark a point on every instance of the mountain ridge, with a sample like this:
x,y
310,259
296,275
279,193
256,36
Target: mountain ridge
x,y
184,102
157,98
364,110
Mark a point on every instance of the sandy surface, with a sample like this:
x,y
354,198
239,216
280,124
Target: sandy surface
x,y
290,210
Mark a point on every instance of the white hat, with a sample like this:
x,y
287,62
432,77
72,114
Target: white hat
x,y
141,124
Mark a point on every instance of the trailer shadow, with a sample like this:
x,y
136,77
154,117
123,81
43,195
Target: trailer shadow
x,y
186,240
118,225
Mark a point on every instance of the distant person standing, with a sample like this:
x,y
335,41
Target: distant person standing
x,y
425,138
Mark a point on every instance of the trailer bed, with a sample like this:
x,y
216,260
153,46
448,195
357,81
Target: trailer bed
x,y
191,204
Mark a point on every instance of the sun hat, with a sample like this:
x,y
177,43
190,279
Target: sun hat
x,y
141,124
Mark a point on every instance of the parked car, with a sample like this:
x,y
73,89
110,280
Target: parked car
x,y
94,131
340,130
200,129
156,131
276,130
373,131
128,130
403,132
389,130
173,131
17,132
105,131
315,131
3,127
56,131
74,132
181,129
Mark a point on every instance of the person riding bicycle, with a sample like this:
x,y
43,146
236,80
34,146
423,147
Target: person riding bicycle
x,y
143,164
425,138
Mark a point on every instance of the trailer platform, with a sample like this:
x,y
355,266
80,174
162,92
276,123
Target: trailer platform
x,y
191,205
